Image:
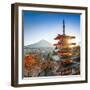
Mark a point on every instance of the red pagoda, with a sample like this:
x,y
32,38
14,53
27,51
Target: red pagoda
x,y
64,48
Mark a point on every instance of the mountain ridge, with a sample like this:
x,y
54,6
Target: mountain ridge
x,y
40,44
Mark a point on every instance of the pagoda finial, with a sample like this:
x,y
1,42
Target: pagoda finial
x,y
63,27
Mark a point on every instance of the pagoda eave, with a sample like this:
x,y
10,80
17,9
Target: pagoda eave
x,y
60,37
64,54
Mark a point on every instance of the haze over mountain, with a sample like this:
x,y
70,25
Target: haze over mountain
x,y
40,44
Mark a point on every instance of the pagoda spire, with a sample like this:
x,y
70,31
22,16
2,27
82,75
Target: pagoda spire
x,y
63,27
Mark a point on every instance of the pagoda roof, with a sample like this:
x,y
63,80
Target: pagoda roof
x,y
64,36
60,44
64,54
62,51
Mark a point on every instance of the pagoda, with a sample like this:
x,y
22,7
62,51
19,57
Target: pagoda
x,y
64,49
64,45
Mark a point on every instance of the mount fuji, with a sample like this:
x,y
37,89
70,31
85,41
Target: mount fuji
x,y
40,44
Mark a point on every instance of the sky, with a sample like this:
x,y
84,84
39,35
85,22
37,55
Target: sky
x,y
46,26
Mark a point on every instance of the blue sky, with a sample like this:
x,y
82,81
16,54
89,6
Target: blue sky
x,y
39,25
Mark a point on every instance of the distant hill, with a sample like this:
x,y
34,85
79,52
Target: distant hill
x,y
40,44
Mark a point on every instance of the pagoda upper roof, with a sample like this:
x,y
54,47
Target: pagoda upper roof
x,y
64,36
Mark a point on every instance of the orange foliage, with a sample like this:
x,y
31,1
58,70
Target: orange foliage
x,y
29,62
28,58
